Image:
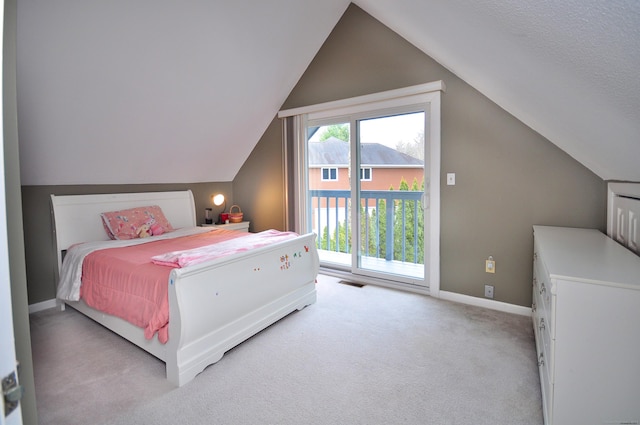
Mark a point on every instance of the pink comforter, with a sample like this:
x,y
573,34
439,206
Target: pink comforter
x,y
125,283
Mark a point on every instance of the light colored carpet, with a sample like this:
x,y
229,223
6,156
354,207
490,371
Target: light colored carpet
x,y
358,356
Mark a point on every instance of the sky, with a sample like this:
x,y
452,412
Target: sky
x,y
388,130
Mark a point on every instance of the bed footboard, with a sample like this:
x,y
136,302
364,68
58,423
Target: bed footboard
x,y
215,306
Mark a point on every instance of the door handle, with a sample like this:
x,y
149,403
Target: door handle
x,y
426,197
12,393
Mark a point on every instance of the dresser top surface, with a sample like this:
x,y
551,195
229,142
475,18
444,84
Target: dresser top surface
x,y
586,255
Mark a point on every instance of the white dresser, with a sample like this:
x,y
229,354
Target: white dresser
x,y
586,319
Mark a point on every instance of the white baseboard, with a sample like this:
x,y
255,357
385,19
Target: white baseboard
x,y
44,305
445,295
486,303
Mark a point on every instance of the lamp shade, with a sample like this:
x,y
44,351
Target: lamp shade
x,y
218,199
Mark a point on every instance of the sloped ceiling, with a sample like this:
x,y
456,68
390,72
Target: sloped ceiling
x,y
568,69
181,91
148,91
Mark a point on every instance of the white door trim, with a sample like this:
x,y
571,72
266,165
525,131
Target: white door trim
x,y
429,94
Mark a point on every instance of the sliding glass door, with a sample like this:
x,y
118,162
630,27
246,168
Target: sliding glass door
x,y
366,178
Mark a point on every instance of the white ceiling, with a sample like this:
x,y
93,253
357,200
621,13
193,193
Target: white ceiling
x,y
568,69
181,91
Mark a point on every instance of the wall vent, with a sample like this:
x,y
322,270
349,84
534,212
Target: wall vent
x,y
346,282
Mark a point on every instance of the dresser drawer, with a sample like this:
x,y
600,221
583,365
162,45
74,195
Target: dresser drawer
x,y
541,325
543,358
542,295
537,296
546,388
547,348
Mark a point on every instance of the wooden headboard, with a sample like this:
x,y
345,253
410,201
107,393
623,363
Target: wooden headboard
x,y
623,214
76,218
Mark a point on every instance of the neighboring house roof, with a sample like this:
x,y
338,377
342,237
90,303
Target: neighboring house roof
x,y
336,152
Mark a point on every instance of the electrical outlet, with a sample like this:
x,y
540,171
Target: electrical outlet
x,y
488,291
451,179
490,265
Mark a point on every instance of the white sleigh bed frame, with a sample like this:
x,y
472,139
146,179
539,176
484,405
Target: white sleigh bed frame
x,y
213,306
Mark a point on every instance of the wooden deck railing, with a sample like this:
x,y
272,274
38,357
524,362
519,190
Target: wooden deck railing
x,y
396,233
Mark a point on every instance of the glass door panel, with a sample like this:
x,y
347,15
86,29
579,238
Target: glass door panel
x,y
389,191
329,191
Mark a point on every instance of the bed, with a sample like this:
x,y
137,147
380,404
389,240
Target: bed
x,y
214,305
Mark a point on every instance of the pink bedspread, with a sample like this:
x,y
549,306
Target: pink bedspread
x,y
125,283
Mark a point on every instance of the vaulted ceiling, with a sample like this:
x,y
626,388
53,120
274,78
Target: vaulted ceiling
x,y
181,91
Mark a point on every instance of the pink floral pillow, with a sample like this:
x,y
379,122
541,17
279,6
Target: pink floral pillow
x,y
135,222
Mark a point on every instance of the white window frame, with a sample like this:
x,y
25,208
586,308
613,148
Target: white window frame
x,y
429,94
363,172
329,170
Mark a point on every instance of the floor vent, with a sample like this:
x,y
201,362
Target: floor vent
x,y
346,282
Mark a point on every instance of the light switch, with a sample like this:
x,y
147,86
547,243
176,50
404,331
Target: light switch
x,y
451,179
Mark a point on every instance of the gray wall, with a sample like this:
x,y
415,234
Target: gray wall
x,y
258,187
38,230
14,215
508,177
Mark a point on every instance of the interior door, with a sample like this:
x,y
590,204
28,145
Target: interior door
x,y
7,341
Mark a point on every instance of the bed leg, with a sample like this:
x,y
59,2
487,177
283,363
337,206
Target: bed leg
x,y
187,372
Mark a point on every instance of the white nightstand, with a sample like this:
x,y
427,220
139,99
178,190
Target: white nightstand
x,y
243,226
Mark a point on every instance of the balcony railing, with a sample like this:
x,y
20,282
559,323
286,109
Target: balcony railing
x,y
397,234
